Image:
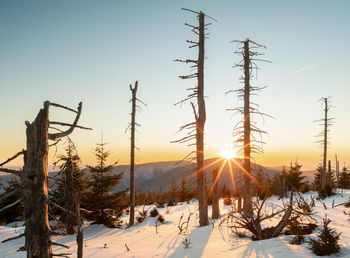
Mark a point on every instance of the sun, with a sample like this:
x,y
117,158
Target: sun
x,y
228,153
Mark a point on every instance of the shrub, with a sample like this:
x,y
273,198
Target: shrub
x,y
186,242
294,227
325,192
140,219
142,215
160,219
160,204
297,240
154,212
171,203
327,242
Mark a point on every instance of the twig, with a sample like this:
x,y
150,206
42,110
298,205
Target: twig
x,y
12,158
12,238
10,205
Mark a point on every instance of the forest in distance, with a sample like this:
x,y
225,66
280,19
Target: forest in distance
x,y
227,205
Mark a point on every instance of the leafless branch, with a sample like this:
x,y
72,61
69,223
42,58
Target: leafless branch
x,y
10,205
13,157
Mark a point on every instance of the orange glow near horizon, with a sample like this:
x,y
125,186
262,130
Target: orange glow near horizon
x,y
271,158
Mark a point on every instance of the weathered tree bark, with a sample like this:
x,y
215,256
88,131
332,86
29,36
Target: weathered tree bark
x,y
132,155
215,195
201,181
35,179
247,196
325,142
80,235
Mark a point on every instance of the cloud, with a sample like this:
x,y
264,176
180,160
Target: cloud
x,y
308,67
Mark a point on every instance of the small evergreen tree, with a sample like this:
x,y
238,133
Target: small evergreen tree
x,y
260,186
294,177
63,193
106,206
318,175
140,197
328,189
184,192
344,179
173,192
151,197
16,211
327,242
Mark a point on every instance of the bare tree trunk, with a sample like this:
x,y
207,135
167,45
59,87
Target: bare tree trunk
x,y
132,155
197,127
324,180
37,230
247,195
337,169
239,203
70,202
329,174
201,181
215,195
35,180
80,235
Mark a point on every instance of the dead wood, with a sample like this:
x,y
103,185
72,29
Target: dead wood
x,y
10,205
12,238
12,158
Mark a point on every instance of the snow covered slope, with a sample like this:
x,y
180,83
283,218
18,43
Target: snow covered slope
x,y
210,241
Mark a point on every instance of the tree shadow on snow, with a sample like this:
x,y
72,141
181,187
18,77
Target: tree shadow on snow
x,y
199,238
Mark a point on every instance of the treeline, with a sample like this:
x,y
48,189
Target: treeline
x,y
101,204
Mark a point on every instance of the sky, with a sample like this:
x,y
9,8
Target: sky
x,y
91,51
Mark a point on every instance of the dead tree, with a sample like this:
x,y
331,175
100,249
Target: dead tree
x,y
132,156
196,128
35,179
255,224
215,195
329,173
245,131
134,107
325,122
80,234
337,169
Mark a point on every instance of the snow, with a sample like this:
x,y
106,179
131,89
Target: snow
x,y
210,241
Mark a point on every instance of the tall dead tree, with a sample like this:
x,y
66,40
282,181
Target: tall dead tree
x,y
337,169
215,195
132,155
245,131
134,107
35,179
196,128
325,122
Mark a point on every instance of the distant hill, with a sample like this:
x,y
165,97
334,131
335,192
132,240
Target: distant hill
x,y
161,180
158,175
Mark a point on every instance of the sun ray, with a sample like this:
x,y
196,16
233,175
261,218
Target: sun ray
x,y
232,176
217,178
247,173
206,166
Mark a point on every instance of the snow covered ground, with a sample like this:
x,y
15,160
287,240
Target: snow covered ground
x,y
210,241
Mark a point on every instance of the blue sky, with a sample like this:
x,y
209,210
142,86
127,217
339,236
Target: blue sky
x,y
90,51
